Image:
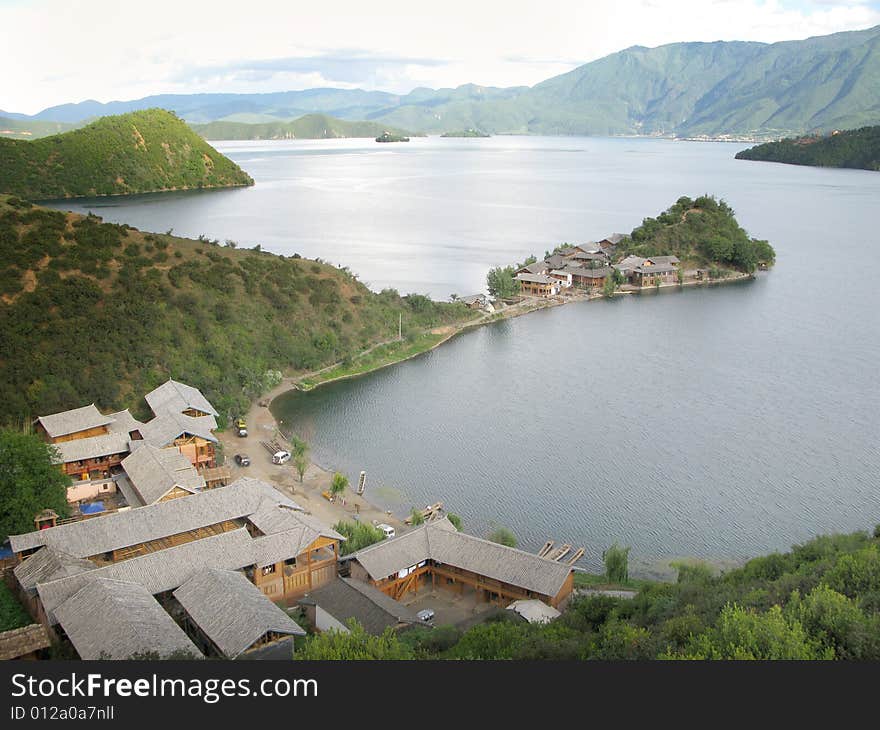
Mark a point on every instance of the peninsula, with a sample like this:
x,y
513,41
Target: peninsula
x,y
466,133
140,152
856,148
309,126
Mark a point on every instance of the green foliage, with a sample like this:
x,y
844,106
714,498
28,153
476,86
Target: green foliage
x,y
132,153
858,148
416,517
229,326
616,561
29,482
301,465
12,613
357,644
503,536
501,282
310,126
702,232
358,535
339,483
455,520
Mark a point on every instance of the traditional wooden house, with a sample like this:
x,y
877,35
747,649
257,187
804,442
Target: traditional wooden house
x,y
174,397
230,618
156,475
539,285
537,267
247,526
477,301
25,642
113,619
590,278
78,423
564,277
334,604
436,556
652,271
192,436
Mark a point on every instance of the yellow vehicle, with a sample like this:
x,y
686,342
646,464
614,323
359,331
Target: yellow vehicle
x,y
329,497
240,427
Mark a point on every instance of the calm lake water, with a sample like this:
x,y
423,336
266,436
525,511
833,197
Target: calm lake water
x,y
718,423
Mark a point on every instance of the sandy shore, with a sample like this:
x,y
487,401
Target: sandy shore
x,y
262,426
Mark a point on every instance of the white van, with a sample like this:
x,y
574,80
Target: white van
x,y
280,457
387,530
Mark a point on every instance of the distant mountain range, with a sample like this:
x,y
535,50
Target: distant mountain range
x,y
310,126
682,89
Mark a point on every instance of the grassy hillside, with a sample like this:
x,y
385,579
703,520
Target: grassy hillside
x,y
140,152
92,311
700,232
858,148
310,126
30,128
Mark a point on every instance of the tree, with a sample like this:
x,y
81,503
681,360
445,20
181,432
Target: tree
x,y
416,518
503,536
609,287
339,484
29,481
616,561
358,535
501,282
455,520
355,645
301,463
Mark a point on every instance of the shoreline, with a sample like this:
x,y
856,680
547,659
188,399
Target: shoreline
x,y
263,425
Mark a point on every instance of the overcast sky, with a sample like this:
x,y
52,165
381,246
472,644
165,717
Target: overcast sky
x,y
58,51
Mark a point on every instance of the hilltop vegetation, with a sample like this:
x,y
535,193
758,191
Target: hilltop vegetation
x,y
685,89
140,152
30,128
858,148
821,600
310,126
93,311
700,232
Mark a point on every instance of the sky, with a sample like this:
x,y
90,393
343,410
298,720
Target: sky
x,y
60,51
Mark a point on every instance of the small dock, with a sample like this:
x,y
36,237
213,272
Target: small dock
x,y
273,447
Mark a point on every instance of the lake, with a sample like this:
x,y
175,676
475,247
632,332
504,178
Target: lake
x,y
717,423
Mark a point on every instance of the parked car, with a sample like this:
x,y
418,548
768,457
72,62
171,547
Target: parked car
x,y
426,615
240,427
242,459
387,530
281,457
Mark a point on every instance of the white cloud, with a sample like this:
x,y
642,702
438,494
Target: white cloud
x,y
55,51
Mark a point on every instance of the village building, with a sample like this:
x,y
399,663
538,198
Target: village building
x,y
230,618
25,642
538,267
539,285
590,278
477,301
247,526
78,423
113,619
436,557
333,605
653,271
563,275
155,475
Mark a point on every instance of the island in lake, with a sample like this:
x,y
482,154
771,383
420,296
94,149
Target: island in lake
x,y
466,133
389,137
855,148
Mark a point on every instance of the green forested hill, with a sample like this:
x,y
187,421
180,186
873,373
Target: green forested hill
x,y
140,152
93,311
701,232
310,126
858,148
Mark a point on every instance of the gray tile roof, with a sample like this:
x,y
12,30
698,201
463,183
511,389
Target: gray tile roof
x,y
91,448
439,541
629,263
538,267
49,564
232,611
599,273
114,620
124,422
78,419
164,429
154,472
615,238
174,397
345,598
160,571
537,278
110,532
